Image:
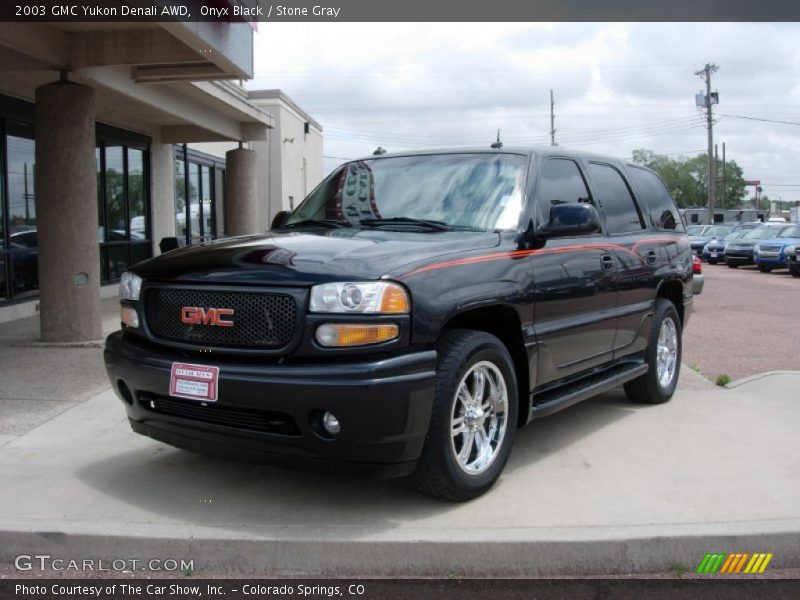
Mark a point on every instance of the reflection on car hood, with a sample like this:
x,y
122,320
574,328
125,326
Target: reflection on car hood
x,y
309,258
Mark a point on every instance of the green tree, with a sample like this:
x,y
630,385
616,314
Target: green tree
x,y
687,178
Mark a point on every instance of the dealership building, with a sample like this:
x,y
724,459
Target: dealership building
x,y
116,135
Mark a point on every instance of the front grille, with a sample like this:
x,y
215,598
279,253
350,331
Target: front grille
x,y
771,248
260,320
267,421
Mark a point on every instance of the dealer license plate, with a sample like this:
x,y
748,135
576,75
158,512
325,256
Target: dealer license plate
x,y
713,254
195,382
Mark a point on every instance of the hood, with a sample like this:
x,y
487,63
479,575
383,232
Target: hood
x,y
308,258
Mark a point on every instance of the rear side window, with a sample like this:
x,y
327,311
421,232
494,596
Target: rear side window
x,y
660,205
616,200
560,182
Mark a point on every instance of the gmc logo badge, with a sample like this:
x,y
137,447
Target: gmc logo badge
x,y
196,315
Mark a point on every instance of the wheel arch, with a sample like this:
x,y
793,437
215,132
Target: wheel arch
x,y
503,322
672,290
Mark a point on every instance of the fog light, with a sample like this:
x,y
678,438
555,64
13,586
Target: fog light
x,y
128,316
331,423
340,334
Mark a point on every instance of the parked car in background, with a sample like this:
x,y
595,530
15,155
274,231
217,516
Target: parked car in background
x,y
714,251
696,229
715,232
772,254
794,266
740,252
24,254
698,281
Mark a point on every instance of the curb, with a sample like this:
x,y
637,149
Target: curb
x,y
557,553
757,376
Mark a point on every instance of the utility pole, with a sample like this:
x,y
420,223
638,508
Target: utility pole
x,y
705,74
724,179
552,120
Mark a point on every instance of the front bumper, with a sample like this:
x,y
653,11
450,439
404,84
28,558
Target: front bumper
x,y
698,281
775,260
739,257
383,405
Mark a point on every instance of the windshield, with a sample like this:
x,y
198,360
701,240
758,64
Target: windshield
x,y
717,231
736,234
791,232
474,191
761,233
694,229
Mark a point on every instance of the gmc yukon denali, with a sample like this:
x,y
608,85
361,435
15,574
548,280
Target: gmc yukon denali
x,y
410,314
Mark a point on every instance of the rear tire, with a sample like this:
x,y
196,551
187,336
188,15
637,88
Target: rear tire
x,y
794,271
663,356
732,265
713,261
474,417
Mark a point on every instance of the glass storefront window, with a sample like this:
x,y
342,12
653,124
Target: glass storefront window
x,y
22,257
136,195
123,201
3,249
124,207
180,198
195,217
115,194
206,195
196,177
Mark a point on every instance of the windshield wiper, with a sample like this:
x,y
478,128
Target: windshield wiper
x,y
331,223
437,225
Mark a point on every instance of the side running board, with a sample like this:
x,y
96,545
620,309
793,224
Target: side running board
x,y
560,398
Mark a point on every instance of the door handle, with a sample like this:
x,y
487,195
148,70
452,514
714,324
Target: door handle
x,y
651,257
607,261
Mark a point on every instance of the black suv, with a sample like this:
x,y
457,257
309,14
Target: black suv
x,y
410,314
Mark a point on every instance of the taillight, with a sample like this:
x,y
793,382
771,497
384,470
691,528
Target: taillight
x,y
697,266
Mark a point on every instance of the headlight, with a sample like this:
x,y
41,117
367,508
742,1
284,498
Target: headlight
x,y
790,250
129,286
379,297
756,248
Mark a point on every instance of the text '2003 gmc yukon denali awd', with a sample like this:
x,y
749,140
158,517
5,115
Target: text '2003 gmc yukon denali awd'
x,y
410,314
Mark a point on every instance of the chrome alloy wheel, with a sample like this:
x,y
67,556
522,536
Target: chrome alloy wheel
x,y
666,352
479,418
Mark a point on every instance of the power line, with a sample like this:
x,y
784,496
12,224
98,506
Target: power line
x,y
759,119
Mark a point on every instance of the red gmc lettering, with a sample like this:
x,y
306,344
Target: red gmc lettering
x,y
196,315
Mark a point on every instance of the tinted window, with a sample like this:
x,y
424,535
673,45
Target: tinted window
x,y
561,182
660,205
615,199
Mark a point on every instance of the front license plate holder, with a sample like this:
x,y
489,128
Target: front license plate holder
x,y
194,382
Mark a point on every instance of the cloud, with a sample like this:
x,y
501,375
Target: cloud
x,y
618,86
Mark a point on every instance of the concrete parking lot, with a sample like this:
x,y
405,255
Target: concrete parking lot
x,y
745,322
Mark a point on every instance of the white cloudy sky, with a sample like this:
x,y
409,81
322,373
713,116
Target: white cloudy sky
x,y
617,86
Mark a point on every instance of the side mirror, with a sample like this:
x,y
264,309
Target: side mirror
x,y
279,219
570,219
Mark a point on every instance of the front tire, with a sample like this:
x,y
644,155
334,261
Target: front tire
x,y
663,356
732,265
474,417
764,268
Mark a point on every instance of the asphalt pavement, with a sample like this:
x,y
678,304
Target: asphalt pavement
x,y
745,322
